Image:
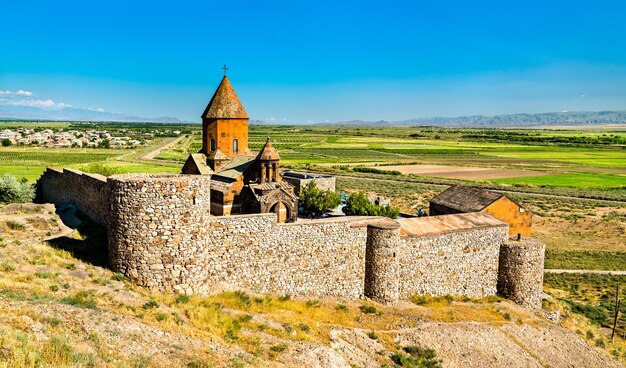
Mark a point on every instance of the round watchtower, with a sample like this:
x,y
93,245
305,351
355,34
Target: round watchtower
x,y
382,282
520,271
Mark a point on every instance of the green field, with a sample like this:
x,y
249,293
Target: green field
x,y
578,180
30,162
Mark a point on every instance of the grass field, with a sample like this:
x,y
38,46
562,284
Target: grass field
x,y
30,162
585,260
579,180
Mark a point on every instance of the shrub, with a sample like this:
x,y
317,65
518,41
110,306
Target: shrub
x,y
278,348
316,201
359,205
287,327
368,309
150,304
7,267
284,298
372,335
118,277
84,298
243,299
376,171
245,318
341,307
182,299
313,304
53,321
15,225
231,334
14,191
418,357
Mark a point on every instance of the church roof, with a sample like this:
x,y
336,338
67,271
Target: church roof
x,y
196,164
225,104
268,152
235,167
217,155
466,199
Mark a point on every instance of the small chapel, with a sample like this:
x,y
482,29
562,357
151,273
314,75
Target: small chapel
x,y
242,181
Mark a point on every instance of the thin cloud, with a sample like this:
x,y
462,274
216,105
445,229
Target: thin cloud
x,y
16,93
27,98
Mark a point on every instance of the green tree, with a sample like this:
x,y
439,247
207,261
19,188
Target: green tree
x,y
316,201
359,205
15,191
105,143
6,142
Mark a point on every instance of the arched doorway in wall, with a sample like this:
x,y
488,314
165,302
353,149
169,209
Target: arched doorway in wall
x,y
281,210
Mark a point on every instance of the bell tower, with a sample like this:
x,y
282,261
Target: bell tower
x,y
268,164
225,123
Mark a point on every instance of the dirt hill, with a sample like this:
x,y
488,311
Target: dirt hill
x,y
59,306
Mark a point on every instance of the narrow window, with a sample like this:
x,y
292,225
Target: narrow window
x,y
235,146
212,144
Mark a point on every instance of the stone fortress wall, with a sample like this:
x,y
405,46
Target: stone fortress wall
x,y
89,193
162,236
300,180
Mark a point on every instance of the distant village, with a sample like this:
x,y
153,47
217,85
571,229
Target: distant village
x,y
59,138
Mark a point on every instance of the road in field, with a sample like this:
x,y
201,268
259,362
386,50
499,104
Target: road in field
x,y
152,154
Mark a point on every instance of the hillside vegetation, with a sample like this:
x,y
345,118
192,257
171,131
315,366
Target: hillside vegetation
x,y
61,308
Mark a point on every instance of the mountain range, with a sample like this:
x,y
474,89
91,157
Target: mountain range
x,y
496,121
509,120
74,114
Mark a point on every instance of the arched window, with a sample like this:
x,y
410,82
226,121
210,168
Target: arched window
x,y
212,144
235,146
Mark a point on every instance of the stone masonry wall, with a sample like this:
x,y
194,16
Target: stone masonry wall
x,y
160,239
520,275
153,227
323,182
381,261
249,251
162,236
87,192
456,263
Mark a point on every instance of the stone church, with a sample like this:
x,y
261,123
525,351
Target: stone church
x,y
242,181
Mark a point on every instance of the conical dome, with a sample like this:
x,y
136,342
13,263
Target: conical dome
x,y
225,104
268,152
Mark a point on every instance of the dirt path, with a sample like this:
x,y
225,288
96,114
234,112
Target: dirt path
x,y
599,272
119,158
152,154
605,201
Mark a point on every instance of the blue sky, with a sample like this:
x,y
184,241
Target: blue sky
x,y
316,61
